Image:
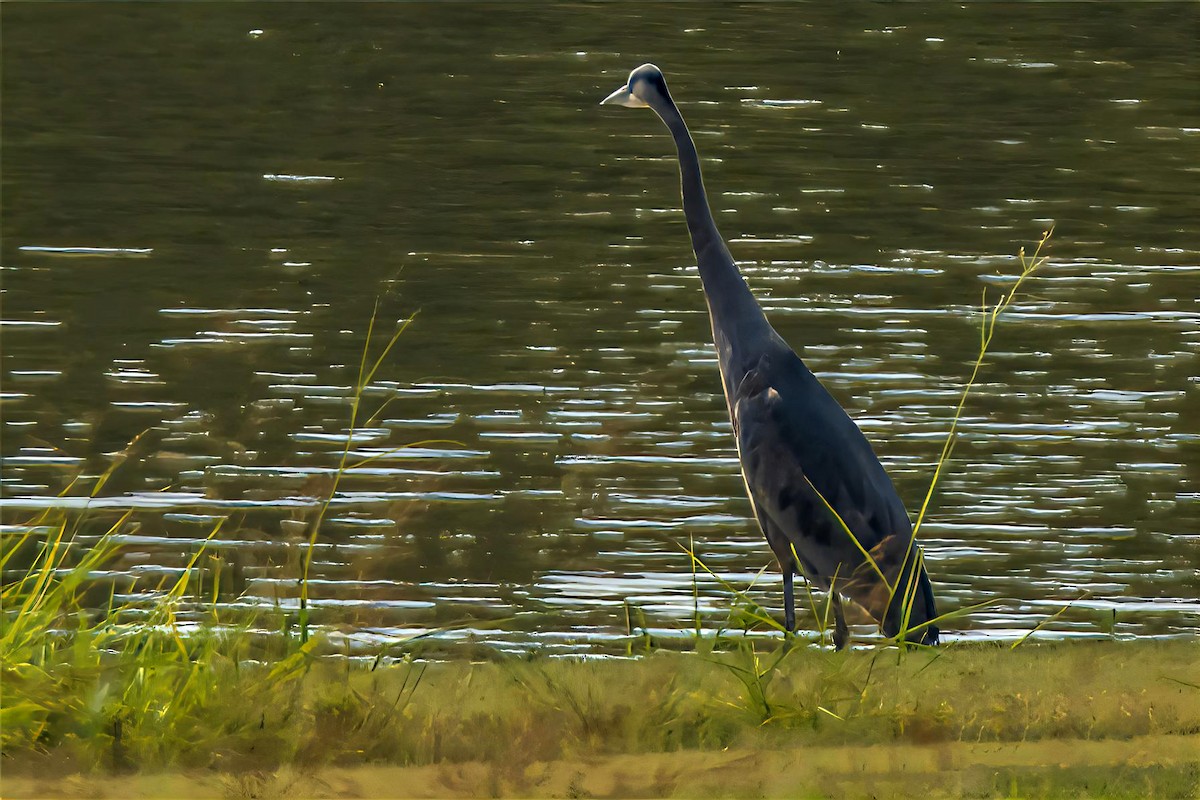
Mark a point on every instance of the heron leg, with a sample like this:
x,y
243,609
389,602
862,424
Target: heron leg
x,y
841,632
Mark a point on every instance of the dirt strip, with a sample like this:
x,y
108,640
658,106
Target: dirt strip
x,y
1097,768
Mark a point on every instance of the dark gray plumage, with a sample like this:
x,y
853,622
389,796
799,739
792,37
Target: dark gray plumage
x,y
794,440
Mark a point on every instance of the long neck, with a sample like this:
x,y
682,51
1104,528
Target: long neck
x,y
730,303
695,200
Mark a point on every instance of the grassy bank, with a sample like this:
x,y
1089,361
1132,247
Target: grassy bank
x,y
101,691
123,699
1105,718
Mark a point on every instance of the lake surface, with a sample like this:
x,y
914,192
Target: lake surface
x,y
203,204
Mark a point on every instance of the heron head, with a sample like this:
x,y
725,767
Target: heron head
x,y
646,84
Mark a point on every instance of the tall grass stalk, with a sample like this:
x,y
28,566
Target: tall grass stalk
x,y
989,317
368,367
363,380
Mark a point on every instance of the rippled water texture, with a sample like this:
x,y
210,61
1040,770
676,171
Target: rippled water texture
x,y
202,205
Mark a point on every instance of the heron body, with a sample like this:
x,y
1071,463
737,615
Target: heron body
x,y
800,453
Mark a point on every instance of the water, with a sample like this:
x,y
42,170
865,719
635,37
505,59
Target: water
x,y
203,204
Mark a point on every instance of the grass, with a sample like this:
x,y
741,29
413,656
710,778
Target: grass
x,y
94,683
126,684
506,720
122,683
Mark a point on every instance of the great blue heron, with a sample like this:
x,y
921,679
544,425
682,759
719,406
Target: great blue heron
x,y
801,454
